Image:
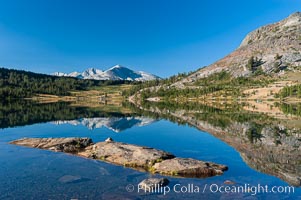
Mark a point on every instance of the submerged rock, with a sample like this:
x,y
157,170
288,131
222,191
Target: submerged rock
x,y
148,184
188,167
138,157
70,179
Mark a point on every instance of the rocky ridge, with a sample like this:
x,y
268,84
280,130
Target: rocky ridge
x,y
274,47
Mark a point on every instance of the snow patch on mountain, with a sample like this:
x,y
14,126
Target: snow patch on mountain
x,y
116,124
116,72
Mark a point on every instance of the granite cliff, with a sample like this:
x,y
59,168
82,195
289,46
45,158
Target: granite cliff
x,y
274,49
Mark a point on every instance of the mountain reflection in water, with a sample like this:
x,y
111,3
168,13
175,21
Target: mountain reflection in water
x,y
266,144
116,124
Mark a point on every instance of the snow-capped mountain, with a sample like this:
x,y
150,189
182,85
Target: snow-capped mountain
x,y
117,72
116,124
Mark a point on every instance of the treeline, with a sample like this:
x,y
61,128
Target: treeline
x,y
222,81
20,84
225,79
290,91
22,112
170,93
153,83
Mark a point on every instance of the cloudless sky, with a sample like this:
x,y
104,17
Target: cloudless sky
x,y
162,37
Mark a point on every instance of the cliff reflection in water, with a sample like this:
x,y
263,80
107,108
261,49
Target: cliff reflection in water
x,y
266,144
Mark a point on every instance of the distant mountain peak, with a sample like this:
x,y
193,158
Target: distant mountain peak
x,y
296,14
117,66
117,72
293,20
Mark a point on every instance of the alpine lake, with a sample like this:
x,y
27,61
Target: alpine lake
x,y
259,150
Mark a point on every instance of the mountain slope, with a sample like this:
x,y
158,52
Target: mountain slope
x,y
271,49
117,72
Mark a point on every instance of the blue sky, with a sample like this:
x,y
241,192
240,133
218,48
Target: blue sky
x,y
163,37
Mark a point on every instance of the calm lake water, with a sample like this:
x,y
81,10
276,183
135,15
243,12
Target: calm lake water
x,y
28,173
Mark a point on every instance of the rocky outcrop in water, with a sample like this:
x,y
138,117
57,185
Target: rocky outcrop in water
x,y
125,154
137,157
187,167
68,145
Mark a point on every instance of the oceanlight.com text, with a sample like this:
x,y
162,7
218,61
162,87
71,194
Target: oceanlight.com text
x,y
212,188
